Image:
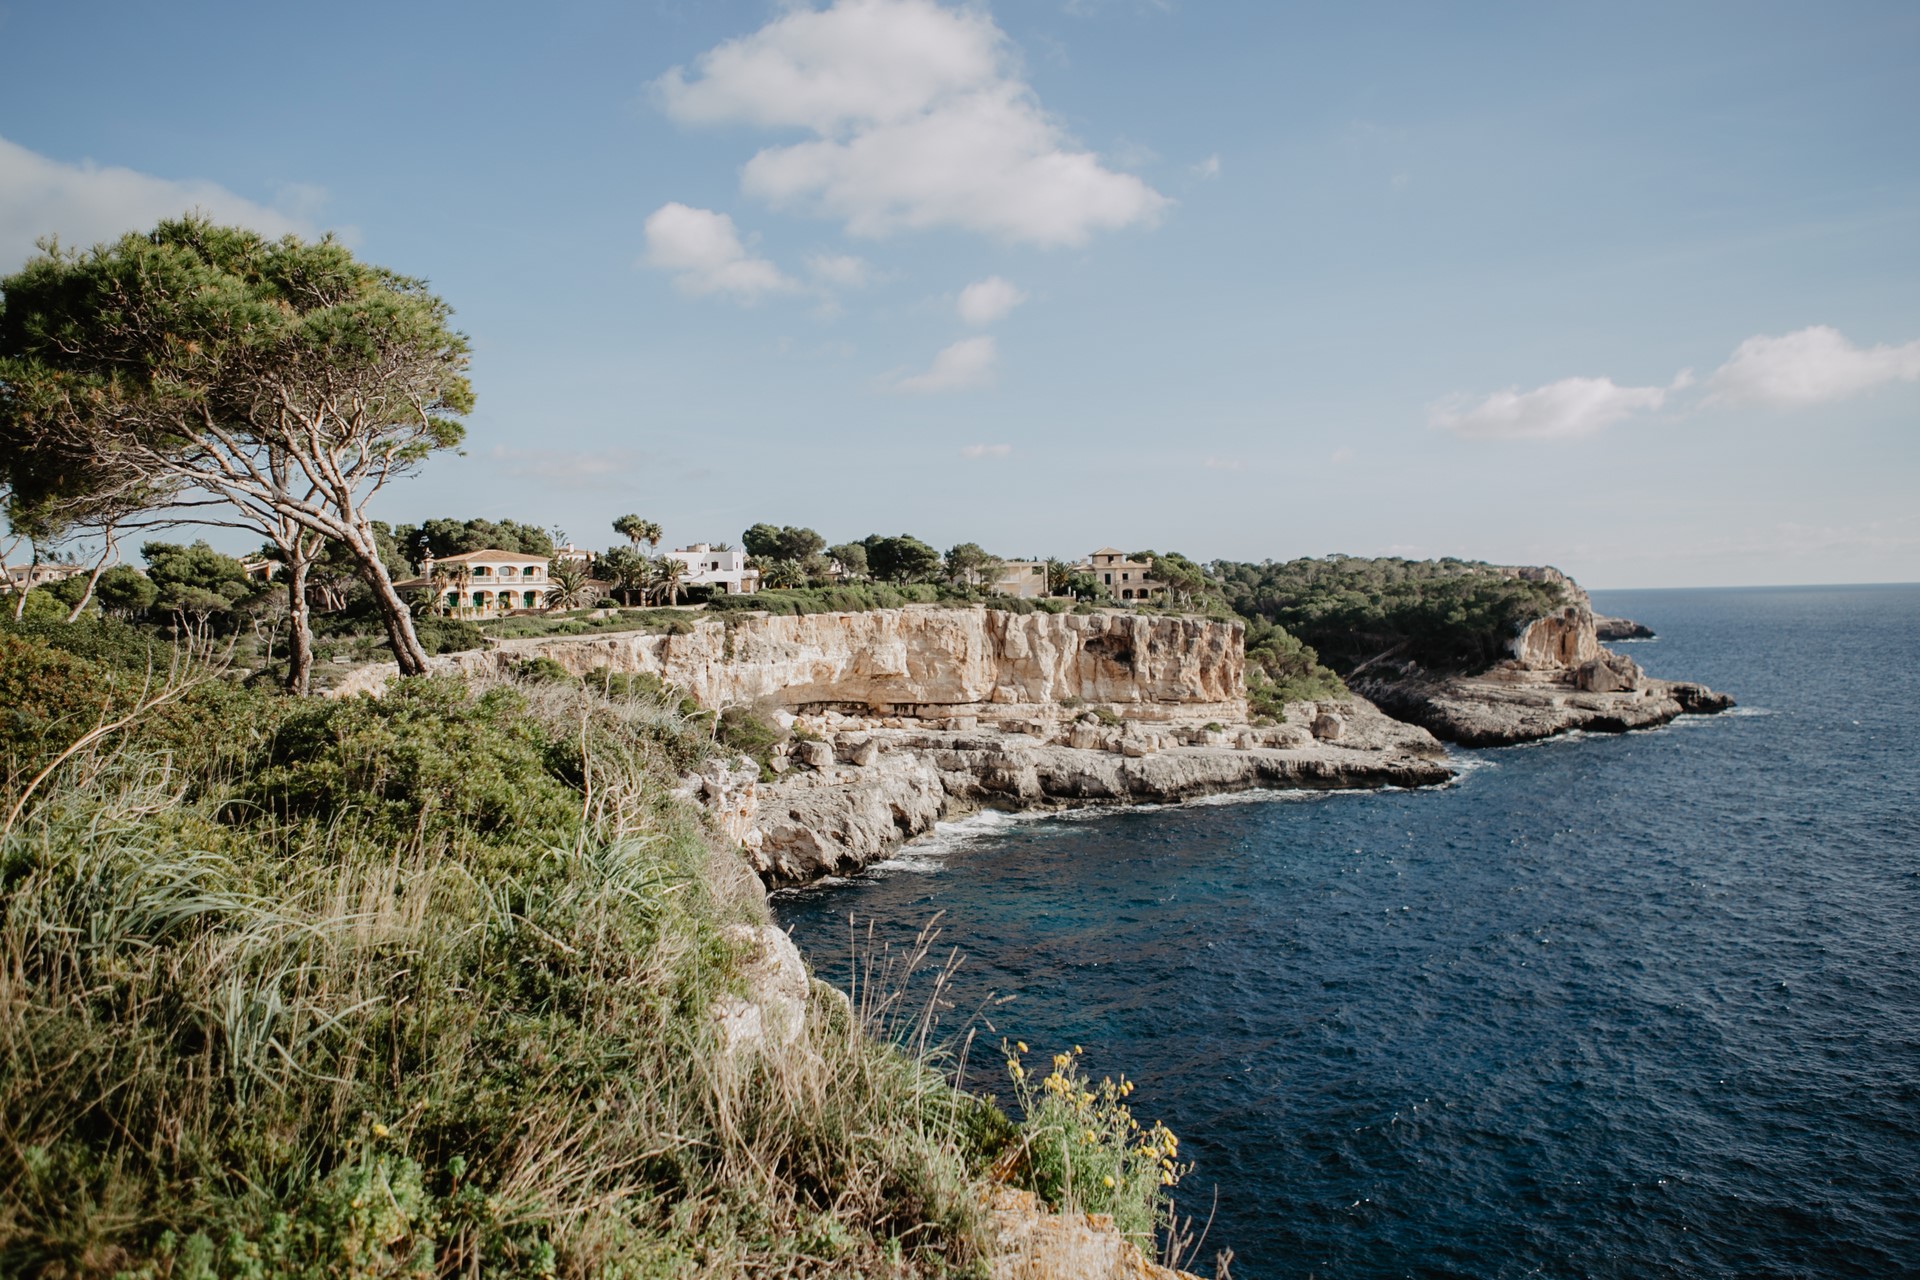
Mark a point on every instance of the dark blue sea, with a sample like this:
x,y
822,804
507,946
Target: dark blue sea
x,y
1637,1005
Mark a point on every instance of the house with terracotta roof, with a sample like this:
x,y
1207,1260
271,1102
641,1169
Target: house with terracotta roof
x,y
1123,577
484,584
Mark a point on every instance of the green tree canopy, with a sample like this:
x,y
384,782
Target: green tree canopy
x,y
852,557
637,529
284,381
784,542
970,564
901,558
449,537
124,590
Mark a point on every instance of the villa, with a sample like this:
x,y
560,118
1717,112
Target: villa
x,y
1123,578
25,577
725,572
485,584
1023,579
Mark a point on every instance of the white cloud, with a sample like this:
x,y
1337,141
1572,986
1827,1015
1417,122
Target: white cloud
x,y
1221,464
1341,457
920,121
966,364
705,255
1208,168
1560,410
840,270
1807,367
986,451
985,301
86,203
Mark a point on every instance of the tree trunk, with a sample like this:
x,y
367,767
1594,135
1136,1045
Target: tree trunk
x,y
299,628
407,650
93,579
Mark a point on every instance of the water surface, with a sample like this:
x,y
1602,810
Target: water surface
x,y
1637,1005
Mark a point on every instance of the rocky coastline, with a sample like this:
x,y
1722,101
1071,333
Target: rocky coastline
x,y
896,719
854,793
1559,679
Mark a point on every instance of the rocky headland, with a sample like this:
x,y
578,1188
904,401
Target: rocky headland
x,y
1559,678
894,719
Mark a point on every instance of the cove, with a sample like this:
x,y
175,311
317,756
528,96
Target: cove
x,y
1611,1005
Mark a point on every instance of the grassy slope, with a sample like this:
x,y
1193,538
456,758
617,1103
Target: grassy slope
x,y
423,987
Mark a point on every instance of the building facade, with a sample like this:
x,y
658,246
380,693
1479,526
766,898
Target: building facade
x,y
725,572
1024,579
1124,578
484,584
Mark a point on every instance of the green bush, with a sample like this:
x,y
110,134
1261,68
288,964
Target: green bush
x,y
426,756
441,634
426,986
853,598
1445,615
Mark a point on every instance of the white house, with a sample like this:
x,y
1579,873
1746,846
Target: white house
x,y
1026,579
724,571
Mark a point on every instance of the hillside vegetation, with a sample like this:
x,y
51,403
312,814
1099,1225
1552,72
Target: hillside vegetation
x,y
425,986
1445,615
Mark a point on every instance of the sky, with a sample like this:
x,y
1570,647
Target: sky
x,y
1631,289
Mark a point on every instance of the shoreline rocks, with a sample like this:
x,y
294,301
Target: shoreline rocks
x,y
839,818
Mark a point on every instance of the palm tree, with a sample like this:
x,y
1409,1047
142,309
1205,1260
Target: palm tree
x,y
668,570
637,530
570,587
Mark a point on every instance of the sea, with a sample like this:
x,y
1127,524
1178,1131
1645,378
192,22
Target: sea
x,y
1633,1005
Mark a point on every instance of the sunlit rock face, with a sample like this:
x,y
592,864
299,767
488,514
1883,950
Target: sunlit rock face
x,y
924,661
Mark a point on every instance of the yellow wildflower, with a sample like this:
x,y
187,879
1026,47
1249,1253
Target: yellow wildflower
x,y
380,1131
1108,1179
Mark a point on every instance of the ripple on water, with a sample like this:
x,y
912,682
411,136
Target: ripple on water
x,y
1636,1005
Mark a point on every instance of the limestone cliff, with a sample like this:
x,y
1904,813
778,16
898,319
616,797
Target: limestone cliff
x,y
1558,678
921,661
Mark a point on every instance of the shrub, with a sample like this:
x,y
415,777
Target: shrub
x,y
1083,1152
441,634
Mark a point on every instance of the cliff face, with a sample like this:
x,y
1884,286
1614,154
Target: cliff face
x,y
926,661
1560,678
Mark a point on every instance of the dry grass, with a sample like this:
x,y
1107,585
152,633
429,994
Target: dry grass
x,y
240,1037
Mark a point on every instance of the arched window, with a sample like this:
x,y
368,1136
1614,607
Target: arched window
x,y
532,598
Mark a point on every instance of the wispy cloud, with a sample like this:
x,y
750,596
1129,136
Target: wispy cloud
x,y
1208,168
986,451
705,255
967,364
1806,367
985,301
920,120
840,270
86,203
1567,409
590,469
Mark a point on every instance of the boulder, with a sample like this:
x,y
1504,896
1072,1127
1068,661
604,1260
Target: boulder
x,y
1329,727
815,755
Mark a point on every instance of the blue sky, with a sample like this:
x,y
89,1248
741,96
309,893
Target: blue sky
x,y
1630,289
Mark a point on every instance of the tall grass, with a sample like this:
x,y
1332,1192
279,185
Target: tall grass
x,y
428,987
342,1026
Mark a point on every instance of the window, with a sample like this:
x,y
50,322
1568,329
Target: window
x,y
532,598
506,571
481,571
453,599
